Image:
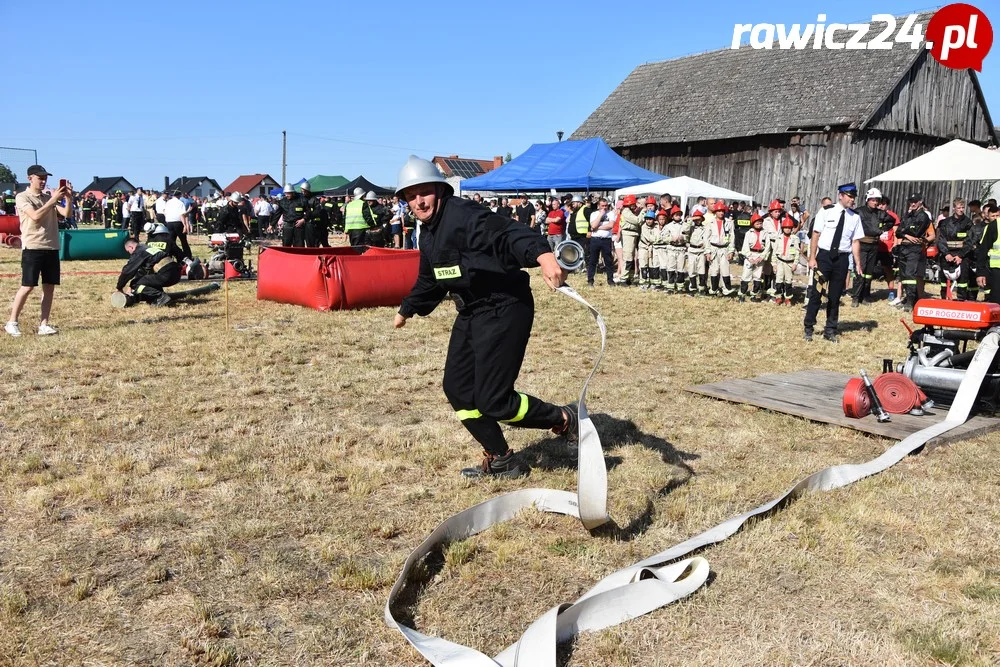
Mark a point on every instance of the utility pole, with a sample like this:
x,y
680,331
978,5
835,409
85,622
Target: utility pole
x,y
284,156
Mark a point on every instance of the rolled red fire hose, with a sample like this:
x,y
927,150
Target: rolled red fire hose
x,y
898,393
856,401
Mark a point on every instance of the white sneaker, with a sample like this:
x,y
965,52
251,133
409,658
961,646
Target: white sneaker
x,y
46,330
895,302
12,329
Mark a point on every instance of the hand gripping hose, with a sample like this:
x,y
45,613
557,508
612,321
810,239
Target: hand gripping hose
x,y
648,584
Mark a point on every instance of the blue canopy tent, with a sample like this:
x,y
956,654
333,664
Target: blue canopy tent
x,y
588,164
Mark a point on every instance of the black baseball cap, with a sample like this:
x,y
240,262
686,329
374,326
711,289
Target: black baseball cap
x,y
37,170
914,198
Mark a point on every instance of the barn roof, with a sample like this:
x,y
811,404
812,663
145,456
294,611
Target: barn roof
x,y
744,92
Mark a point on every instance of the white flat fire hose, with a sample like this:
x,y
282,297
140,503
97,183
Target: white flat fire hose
x,y
648,584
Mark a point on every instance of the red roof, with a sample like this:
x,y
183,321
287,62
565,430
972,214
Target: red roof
x,y
244,184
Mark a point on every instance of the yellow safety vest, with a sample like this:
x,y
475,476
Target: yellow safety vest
x,y
995,250
354,217
581,222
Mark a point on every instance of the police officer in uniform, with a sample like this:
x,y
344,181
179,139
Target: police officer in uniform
x,y
476,257
153,266
874,221
910,252
295,211
955,247
357,219
836,234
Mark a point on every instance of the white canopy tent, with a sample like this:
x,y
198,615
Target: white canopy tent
x,y
954,161
684,187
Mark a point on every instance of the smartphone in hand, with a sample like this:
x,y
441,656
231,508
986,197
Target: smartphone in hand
x,y
62,182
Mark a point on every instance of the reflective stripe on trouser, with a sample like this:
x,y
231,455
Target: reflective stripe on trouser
x,y
869,260
911,268
484,358
629,244
752,271
719,263
150,286
696,262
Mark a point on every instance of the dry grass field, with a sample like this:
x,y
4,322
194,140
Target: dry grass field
x,y
174,494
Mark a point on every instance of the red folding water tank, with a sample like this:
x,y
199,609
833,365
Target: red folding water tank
x,y
338,278
10,224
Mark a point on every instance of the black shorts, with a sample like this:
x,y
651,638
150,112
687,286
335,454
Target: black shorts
x,y
35,263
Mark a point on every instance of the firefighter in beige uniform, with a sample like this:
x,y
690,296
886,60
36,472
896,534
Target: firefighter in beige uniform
x,y
676,250
697,239
756,251
629,224
647,235
661,245
785,251
720,250
772,227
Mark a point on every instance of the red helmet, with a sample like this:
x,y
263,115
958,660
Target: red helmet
x,y
788,222
629,200
775,205
931,251
651,199
719,206
663,213
697,214
755,217
675,210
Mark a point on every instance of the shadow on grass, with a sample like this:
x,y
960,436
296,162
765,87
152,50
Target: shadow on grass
x,y
552,454
858,325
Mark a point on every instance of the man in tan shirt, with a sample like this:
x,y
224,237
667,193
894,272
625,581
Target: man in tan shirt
x,y
40,245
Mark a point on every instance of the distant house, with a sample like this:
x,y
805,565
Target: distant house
x,y
464,167
782,123
253,185
108,185
194,186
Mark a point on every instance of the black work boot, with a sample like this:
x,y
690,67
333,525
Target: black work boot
x,y
508,466
570,428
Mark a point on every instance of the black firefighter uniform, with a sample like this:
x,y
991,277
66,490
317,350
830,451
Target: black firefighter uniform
x,y
476,257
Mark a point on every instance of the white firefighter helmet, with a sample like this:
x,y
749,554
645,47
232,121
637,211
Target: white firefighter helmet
x,y
417,172
306,187
873,193
159,228
236,197
952,274
148,227
358,193
371,196
577,199
288,189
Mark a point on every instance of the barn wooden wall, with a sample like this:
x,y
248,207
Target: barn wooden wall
x,y
934,100
809,165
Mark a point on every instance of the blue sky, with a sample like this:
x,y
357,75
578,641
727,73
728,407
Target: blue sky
x,y
191,88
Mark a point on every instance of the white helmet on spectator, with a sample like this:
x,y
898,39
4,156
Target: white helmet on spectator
x,y
358,193
417,172
306,187
874,193
371,196
288,189
236,197
577,199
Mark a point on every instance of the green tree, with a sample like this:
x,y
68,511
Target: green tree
x,y
6,175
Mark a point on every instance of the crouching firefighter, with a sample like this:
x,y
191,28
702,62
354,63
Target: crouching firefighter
x,y
476,257
153,266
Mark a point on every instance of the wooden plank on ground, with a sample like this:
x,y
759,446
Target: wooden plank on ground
x,y
818,396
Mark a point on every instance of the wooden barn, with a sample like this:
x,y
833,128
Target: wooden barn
x,y
780,123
